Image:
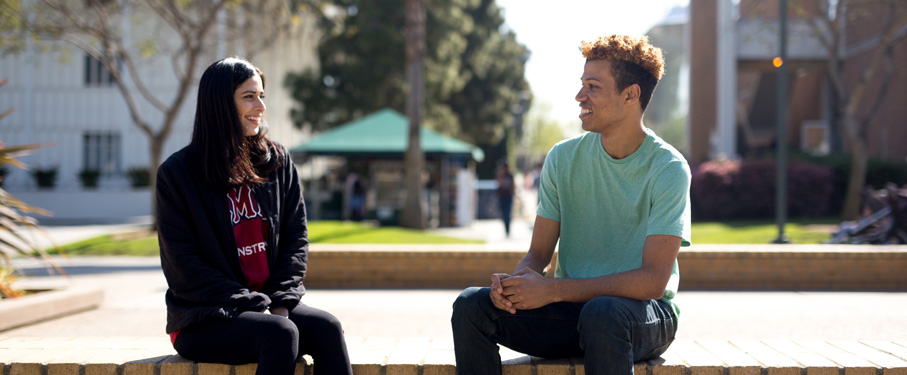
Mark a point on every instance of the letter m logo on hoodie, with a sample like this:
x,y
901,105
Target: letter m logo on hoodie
x,y
250,232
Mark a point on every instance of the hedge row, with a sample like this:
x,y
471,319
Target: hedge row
x,y
878,173
722,190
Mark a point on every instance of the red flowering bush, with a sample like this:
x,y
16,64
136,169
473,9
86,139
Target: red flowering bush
x,y
722,190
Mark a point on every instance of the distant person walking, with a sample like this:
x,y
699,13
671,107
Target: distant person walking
x,y
233,238
505,194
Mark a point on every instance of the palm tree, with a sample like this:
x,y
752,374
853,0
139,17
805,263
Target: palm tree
x,y
413,215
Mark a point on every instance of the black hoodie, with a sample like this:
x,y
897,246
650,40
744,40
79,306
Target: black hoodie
x,y
198,250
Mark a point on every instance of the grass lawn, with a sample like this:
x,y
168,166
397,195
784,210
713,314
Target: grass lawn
x,y
349,232
145,243
135,244
799,231
812,231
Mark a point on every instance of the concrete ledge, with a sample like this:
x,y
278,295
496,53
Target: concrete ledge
x,y
101,204
47,305
434,266
794,267
710,267
387,356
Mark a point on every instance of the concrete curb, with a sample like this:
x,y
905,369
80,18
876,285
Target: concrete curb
x,y
391,356
47,305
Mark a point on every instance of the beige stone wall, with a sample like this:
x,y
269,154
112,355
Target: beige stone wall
x,y
710,267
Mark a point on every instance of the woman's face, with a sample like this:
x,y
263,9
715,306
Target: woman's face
x,y
249,98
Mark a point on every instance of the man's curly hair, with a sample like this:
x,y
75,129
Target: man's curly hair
x,y
633,60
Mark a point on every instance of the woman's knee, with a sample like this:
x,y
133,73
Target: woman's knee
x,y
330,323
280,329
317,322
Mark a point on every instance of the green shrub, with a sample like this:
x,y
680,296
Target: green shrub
x,y
139,177
878,173
89,177
45,177
722,190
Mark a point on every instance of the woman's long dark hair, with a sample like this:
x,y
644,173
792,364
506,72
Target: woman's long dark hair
x,y
226,156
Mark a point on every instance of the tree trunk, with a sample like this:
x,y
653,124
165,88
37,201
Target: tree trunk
x,y
413,215
157,149
857,181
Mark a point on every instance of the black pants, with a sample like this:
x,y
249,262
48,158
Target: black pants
x,y
274,342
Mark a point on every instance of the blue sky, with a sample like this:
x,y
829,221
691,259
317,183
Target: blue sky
x,y
553,34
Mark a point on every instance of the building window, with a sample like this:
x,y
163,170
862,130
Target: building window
x,y
101,151
96,74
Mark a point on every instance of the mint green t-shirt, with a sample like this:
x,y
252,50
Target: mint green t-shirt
x,y
607,207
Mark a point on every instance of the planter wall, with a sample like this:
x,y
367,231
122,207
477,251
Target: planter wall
x,y
16,312
95,204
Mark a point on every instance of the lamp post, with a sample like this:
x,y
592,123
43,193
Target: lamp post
x,y
781,141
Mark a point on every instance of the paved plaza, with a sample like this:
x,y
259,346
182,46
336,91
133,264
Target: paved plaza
x,y
133,303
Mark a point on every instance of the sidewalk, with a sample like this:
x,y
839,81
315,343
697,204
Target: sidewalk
x,y
134,305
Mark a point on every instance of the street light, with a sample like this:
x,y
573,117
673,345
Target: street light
x,y
781,143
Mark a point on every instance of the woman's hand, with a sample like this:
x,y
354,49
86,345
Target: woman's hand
x,y
282,311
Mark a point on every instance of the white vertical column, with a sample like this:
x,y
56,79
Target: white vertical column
x,y
726,81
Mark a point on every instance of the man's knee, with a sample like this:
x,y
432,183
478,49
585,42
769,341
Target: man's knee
x,y
470,300
472,296
606,312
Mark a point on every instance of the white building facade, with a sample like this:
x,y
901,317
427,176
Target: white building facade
x,y
65,100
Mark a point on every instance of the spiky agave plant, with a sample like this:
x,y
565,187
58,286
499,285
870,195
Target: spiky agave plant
x,y
17,230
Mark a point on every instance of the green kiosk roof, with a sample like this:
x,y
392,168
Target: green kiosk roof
x,y
383,133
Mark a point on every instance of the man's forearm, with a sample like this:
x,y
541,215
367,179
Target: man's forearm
x,y
533,261
646,282
541,250
637,284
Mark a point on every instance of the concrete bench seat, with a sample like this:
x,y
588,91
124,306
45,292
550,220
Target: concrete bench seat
x,y
388,356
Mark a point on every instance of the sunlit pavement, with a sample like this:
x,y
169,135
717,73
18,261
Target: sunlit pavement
x,y
134,305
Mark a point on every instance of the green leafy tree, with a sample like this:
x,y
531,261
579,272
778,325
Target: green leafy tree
x,y
473,68
542,132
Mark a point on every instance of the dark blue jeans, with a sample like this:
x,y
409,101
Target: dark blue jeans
x,y
610,332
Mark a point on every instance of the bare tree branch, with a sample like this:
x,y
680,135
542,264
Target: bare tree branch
x,y
166,10
95,28
139,83
823,22
870,69
883,92
835,64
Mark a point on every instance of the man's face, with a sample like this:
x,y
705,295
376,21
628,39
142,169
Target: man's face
x,y
601,104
